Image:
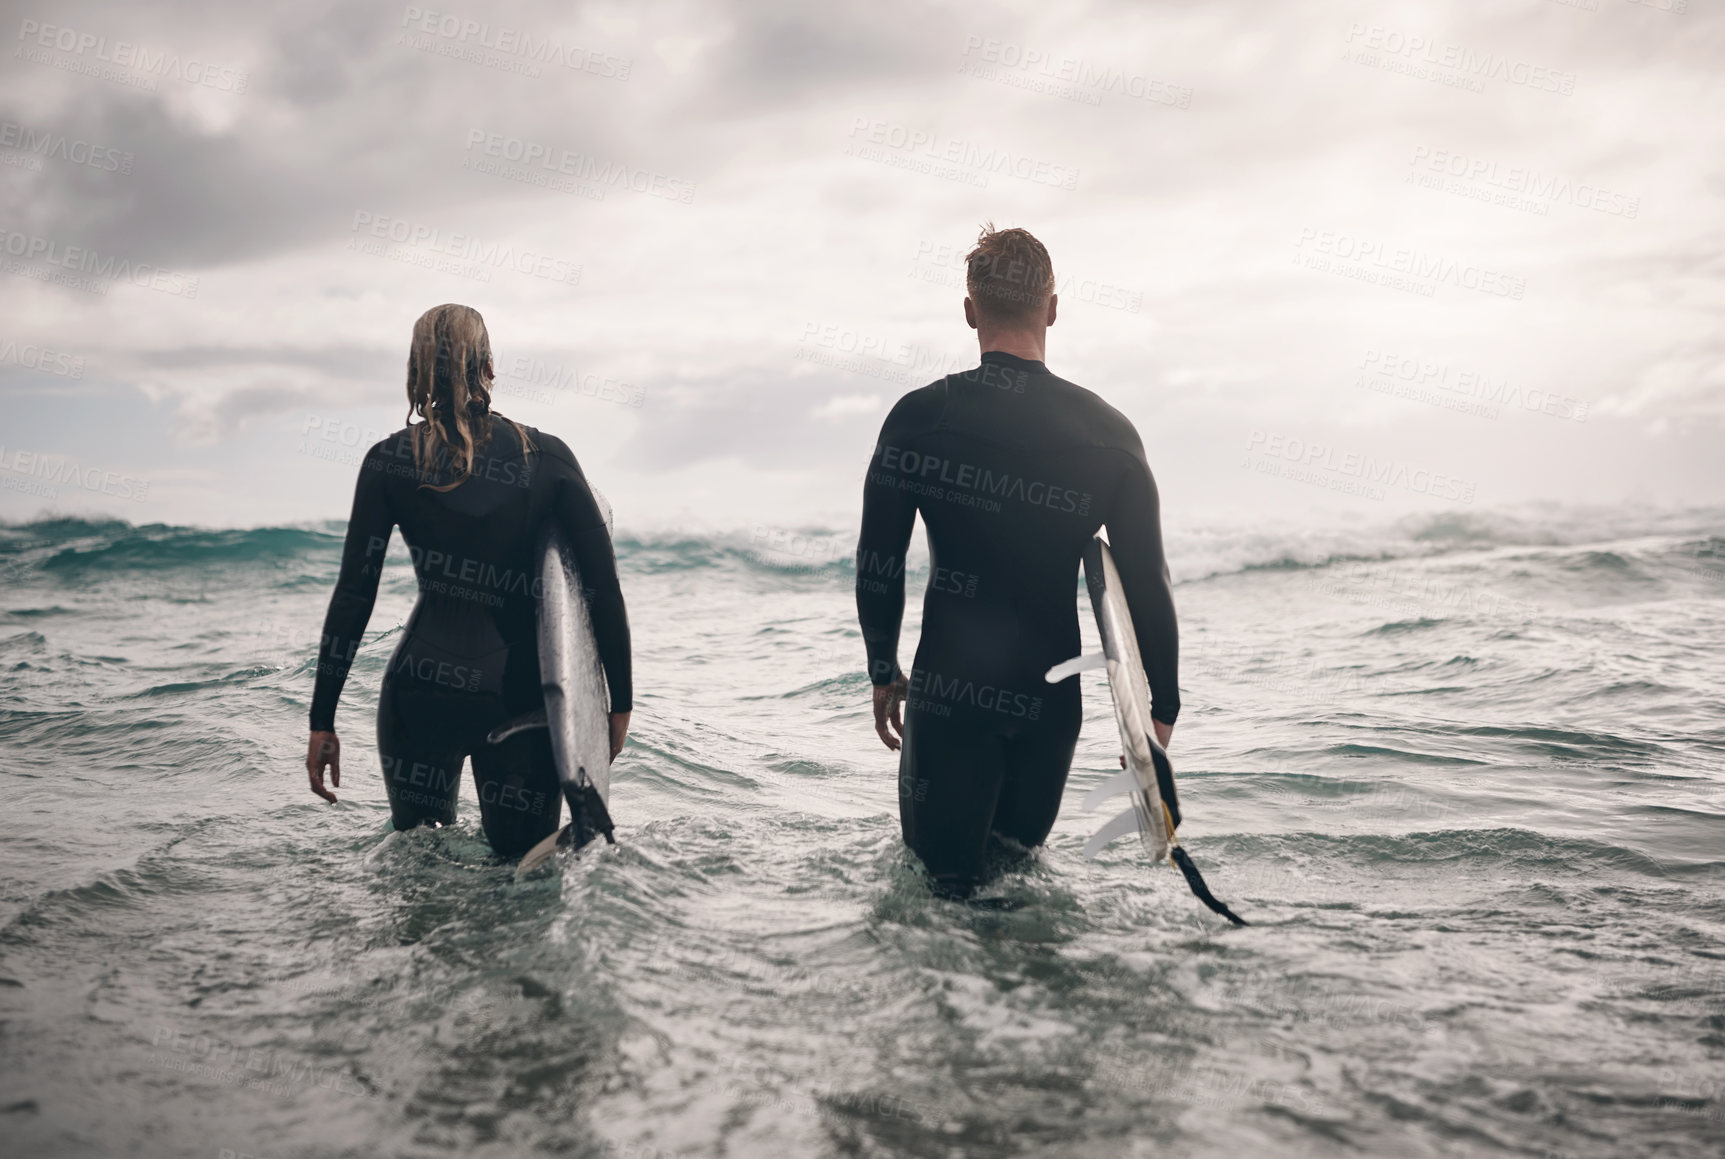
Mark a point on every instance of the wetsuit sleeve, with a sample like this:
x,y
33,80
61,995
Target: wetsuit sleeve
x,y
577,512
1135,535
368,530
888,517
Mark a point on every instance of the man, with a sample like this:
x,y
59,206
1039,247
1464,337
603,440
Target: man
x,y
1014,470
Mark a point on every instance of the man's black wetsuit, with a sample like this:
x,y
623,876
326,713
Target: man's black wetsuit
x,y
468,658
1013,470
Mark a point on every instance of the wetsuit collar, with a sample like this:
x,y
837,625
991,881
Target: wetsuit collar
x,y
1002,358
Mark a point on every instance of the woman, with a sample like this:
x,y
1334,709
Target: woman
x,y
471,492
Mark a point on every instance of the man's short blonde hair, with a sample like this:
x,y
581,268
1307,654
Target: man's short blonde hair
x,y
1008,274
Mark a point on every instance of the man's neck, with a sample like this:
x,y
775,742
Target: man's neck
x,y
1018,343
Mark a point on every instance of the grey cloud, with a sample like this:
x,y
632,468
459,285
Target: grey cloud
x,y
296,161
1198,209
787,50
755,415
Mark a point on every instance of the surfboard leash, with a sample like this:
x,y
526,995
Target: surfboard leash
x,y
601,814
1194,879
585,804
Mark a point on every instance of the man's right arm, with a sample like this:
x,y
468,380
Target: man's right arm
x,y
889,514
1135,537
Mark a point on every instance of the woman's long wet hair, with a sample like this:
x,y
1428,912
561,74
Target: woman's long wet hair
x,y
449,380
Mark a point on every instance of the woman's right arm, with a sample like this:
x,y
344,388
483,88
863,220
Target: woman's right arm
x,y
578,514
368,530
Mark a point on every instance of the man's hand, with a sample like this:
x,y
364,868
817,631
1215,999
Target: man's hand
x,y
619,732
325,750
887,699
1164,732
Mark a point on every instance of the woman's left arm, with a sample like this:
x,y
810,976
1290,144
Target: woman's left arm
x,y
368,531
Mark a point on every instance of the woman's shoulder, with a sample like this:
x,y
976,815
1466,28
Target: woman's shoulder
x,y
549,445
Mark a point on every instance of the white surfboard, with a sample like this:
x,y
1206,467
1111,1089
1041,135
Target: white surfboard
x,y
1131,692
577,700
1148,779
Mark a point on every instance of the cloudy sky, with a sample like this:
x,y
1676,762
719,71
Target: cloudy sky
x,y
1335,260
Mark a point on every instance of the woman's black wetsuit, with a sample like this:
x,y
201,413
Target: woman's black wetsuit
x,y
1013,470
468,658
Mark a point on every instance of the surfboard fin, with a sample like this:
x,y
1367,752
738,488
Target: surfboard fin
x,y
589,819
1074,666
534,719
1125,781
1120,826
537,856
1133,821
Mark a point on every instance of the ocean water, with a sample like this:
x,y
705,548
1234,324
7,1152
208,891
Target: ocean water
x,y
1464,775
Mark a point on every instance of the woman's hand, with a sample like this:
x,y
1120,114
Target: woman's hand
x,y
325,750
619,732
